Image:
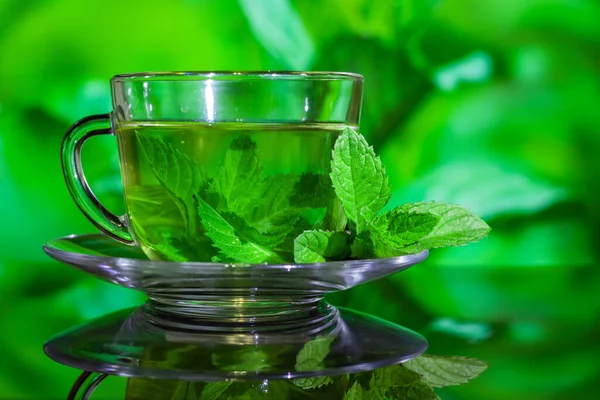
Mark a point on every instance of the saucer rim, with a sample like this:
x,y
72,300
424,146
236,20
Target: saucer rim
x,y
54,252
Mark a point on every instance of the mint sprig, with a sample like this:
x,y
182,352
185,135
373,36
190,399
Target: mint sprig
x,y
361,183
358,178
242,215
439,371
320,246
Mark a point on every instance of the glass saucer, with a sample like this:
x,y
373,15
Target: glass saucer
x,y
213,297
128,343
128,266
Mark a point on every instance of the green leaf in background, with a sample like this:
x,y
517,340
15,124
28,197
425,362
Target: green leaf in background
x,y
320,246
443,371
456,226
358,178
225,238
279,28
488,188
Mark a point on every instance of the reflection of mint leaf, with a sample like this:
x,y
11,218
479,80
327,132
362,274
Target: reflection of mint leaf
x,y
359,179
276,389
393,376
355,392
320,246
312,355
416,390
225,238
145,388
245,359
386,382
456,226
214,390
443,371
313,382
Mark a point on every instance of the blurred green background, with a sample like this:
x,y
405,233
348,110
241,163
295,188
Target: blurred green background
x,y
491,104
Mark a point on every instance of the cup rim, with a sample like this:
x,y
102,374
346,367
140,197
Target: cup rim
x,y
238,75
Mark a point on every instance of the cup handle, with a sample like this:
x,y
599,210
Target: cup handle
x,y
103,219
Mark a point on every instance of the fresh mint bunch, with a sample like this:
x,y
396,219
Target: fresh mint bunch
x,y
243,215
240,214
361,183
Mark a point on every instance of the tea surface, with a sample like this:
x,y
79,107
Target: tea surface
x,y
227,192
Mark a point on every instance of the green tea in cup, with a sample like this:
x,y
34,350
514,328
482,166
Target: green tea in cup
x,y
220,167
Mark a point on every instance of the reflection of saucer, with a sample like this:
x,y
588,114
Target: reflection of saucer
x,y
125,343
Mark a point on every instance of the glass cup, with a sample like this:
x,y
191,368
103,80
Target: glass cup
x,y
219,166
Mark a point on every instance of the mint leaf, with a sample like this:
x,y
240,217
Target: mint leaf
x,y
312,190
312,355
439,371
415,391
335,219
394,230
400,228
270,237
354,393
358,178
320,246
172,168
456,227
225,238
362,247
214,390
238,182
177,173
273,202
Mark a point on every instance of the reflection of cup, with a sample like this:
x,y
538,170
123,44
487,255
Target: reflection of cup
x,y
210,160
